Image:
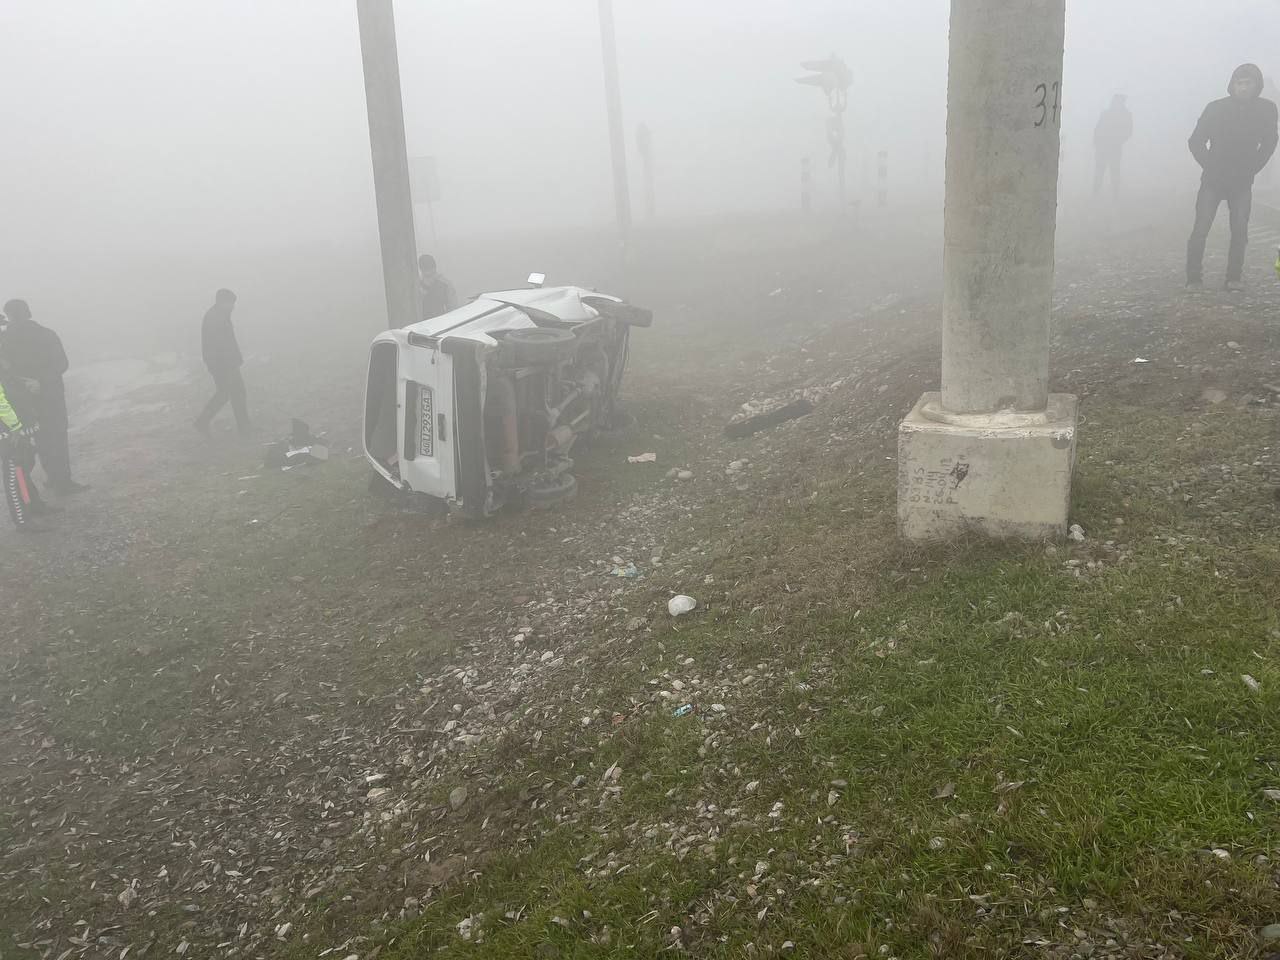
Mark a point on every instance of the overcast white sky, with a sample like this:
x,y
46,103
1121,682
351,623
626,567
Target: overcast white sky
x,y
214,127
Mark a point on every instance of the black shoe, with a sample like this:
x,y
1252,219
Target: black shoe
x,y
70,488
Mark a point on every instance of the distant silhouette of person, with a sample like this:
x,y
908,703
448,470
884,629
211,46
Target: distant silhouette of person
x,y
644,144
221,353
1113,131
437,292
35,356
1233,141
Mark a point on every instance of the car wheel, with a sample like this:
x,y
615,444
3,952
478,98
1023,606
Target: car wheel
x,y
533,346
556,489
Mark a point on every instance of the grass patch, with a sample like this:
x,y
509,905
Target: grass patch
x,y
1043,750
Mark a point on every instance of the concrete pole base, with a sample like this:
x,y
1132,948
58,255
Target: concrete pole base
x,y
1003,477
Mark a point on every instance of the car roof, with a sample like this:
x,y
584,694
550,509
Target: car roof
x,y
501,310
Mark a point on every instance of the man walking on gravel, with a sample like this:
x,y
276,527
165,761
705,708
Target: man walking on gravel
x,y
1233,141
222,356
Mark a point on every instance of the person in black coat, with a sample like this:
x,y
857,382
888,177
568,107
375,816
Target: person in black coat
x,y
35,356
221,355
1233,141
1113,131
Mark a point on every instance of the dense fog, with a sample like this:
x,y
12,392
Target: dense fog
x,y
157,150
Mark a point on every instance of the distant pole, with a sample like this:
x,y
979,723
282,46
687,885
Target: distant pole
x,y
617,142
390,160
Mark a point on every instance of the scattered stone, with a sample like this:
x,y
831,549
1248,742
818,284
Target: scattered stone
x,y
1213,395
1251,683
1076,533
457,797
684,475
945,792
127,897
680,604
1270,932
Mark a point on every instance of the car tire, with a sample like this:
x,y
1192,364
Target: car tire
x,y
556,489
537,346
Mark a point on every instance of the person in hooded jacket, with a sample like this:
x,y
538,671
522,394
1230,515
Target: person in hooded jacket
x,y
1233,141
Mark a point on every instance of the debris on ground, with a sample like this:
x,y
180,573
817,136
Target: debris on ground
x,y
299,448
680,604
643,458
1076,533
756,416
682,711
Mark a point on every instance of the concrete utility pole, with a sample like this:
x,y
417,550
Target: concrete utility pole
x,y
994,451
617,142
390,160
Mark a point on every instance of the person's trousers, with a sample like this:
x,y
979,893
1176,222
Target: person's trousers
x,y
17,490
1239,198
229,386
1106,161
52,445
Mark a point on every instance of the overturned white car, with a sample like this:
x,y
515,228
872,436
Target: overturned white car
x,y
480,407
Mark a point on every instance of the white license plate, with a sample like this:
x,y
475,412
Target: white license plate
x,y
426,422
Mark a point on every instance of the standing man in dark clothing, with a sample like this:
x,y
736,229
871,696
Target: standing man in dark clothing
x,y
1113,131
437,292
222,356
1233,141
35,356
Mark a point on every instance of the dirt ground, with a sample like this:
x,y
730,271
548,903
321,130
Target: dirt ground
x,y
248,712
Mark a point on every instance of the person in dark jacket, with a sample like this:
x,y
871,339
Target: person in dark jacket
x,y
437,292
1233,141
1113,131
221,355
35,356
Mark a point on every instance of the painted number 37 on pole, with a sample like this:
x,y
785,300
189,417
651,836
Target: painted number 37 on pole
x,y
1048,105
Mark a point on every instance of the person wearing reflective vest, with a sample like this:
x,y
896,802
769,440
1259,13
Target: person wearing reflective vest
x,y
15,444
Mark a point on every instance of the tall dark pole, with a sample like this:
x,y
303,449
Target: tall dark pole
x,y
390,160
617,142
